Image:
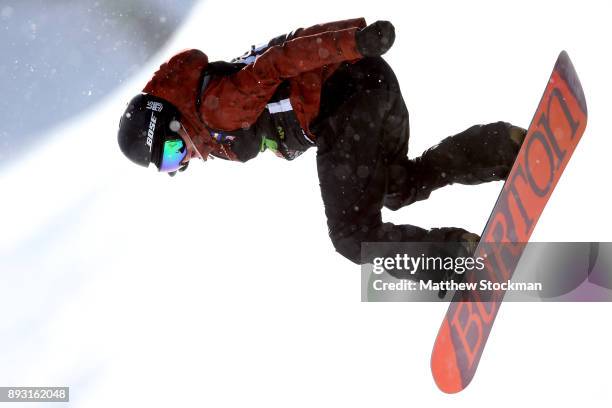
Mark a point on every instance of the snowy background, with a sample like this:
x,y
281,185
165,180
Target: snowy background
x,y
60,57
136,289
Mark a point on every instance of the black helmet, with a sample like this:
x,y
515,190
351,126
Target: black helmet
x,y
143,128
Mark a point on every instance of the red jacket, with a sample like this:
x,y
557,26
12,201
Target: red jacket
x,y
236,101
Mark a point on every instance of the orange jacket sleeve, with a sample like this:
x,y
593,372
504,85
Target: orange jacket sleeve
x,y
237,100
333,26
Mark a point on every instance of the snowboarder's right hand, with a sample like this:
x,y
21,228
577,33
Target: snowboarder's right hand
x,y
375,39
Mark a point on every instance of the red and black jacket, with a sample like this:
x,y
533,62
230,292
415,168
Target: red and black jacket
x,y
266,98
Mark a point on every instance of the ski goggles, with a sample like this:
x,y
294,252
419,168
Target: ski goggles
x,y
174,152
173,148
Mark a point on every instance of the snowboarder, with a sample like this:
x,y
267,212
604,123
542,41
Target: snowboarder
x,y
326,87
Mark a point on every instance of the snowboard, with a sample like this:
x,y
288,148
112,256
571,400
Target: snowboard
x,y
553,134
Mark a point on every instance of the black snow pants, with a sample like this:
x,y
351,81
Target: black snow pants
x,y
362,140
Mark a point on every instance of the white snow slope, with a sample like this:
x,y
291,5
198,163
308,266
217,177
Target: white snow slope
x,y
220,288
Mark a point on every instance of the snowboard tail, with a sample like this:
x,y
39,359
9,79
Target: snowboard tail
x,y
556,128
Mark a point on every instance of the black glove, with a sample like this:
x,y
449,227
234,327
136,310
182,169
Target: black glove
x,y
466,244
375,39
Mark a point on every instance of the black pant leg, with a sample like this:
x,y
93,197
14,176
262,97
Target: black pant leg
x,y
355,146
477,155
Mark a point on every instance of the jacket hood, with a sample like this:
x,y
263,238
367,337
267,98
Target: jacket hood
x,y
178,81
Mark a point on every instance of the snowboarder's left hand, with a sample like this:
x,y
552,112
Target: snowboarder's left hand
x,y
470,242
375,39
